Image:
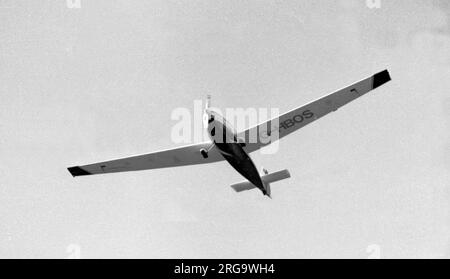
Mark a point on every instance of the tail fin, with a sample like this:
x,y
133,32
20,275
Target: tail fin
x,y
268,191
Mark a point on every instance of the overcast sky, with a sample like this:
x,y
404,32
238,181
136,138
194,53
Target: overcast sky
x,y
80,85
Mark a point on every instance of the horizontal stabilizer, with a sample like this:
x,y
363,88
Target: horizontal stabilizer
x,y
268,178
276,176
243,186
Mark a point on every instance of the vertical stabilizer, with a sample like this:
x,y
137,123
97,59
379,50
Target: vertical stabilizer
x,y
267,187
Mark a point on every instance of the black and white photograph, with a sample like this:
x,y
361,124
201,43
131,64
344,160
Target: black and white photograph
x,y
224,129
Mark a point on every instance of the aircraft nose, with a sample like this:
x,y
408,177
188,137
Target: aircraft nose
x,y
208,117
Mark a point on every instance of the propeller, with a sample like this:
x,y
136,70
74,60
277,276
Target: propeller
x,y
206,111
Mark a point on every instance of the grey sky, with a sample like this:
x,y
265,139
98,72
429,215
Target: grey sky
x,y
83,85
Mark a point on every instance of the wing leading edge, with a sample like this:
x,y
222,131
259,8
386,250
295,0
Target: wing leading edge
x,y
182,156
263,134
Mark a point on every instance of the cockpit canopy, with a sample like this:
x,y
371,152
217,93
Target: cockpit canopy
x,y
216,122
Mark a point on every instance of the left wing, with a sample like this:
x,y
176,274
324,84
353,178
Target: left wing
x,y
181,156
265,133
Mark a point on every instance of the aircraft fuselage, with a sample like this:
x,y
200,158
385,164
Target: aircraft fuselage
x,y
241,161
224,137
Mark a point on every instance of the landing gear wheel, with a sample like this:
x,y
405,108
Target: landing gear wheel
x,y
204,153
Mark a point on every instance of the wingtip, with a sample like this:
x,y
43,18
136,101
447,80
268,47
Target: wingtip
x,y
381,78
77,171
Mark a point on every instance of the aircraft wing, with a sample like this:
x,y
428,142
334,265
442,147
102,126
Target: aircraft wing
x,y
181,156
263,134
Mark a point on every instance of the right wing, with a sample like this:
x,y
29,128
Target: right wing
x,y
181,156
263,134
